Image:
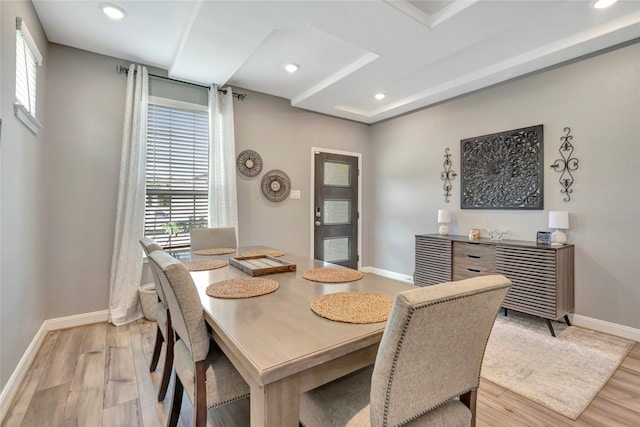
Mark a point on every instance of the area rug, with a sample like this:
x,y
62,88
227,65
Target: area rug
x,y
563,374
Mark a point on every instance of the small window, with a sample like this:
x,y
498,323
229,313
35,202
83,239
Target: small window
x,y
28,58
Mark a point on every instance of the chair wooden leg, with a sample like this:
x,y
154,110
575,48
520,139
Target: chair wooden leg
x,y
156,350
176,402
168,362
470,400
200,397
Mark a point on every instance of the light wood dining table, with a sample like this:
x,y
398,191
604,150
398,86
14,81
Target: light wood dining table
x,y
279,345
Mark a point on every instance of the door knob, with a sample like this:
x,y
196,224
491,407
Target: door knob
x,y
318,223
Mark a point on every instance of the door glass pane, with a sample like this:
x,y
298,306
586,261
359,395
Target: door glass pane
x,y
336,249
337,211
336,174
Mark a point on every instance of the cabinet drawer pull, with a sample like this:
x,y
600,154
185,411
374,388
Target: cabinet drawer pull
x,y
474,270
474,256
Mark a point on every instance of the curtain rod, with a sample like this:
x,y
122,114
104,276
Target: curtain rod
x,y
120,69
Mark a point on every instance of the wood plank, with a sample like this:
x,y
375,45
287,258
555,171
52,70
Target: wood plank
x,y
47,407
146,388
62,359
126,414
45,350
120,382
24,396
84,403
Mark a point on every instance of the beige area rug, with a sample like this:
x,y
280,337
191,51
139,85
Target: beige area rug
x,y
563,374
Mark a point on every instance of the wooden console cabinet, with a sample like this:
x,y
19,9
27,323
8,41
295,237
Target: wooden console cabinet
x,y
542,276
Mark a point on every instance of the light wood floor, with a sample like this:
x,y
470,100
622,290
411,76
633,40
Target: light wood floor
x,y
98,375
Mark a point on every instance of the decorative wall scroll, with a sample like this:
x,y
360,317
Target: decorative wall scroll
x,y
503,170
447,175
566,164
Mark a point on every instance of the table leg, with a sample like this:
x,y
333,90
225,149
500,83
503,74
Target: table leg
x,y
276,404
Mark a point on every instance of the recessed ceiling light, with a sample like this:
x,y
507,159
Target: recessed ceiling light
x,y
292,68
601,4
379,96
113,11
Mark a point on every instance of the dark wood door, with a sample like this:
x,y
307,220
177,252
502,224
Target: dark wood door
x,y
336,209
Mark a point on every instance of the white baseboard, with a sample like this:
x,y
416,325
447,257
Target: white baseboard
x,y
11,388
606,327
387,273
576,319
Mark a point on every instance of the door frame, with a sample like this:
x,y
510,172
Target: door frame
x,y
313,195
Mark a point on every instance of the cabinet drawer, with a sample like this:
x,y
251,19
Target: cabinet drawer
x,y
473,259
475,255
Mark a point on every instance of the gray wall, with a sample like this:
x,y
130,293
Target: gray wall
x,y
283,136
23,281
85,122
599,99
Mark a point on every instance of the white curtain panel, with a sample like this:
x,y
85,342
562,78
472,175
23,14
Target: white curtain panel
x,y
126,263
223,200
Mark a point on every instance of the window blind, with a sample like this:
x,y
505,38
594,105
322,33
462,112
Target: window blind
x,y
27,60
177,173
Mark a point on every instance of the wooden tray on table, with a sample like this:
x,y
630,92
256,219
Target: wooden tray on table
x,y
261,264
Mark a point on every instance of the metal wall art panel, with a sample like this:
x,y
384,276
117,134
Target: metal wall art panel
x,y
503,170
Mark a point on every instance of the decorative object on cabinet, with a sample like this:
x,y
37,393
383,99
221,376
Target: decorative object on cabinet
x,y
276,185
560,221
496,234
249,163
542,277
447,175
566,164
444,218
503,170
474,233
543,237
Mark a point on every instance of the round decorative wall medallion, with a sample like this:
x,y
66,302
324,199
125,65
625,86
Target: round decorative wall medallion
x,y
276,185
249,163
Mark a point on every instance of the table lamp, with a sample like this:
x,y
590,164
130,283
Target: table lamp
x,y
444,218
560,221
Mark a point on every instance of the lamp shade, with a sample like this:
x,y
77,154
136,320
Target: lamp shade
x,y
559,220
444,216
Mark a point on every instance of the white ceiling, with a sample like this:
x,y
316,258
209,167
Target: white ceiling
x,y
416,52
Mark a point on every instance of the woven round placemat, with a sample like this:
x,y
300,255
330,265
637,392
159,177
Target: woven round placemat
x,y
353,307
244,287
332,275
215,251
260,252
205,264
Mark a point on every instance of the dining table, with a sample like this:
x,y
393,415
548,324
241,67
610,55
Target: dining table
x,y
278,344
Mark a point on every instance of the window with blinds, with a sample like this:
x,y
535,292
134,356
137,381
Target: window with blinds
x,y
28,58
177,171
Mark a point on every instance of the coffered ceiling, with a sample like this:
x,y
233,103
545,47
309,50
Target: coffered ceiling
x,y
415,52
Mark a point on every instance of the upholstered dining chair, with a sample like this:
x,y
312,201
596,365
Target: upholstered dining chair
x,y
427,370
209,238
200,367
164,332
